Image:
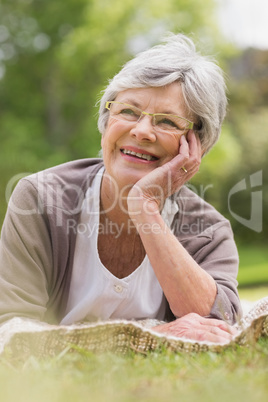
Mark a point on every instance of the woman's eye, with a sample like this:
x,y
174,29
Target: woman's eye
x,y
168,122
128,111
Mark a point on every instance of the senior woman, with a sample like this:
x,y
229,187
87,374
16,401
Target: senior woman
x,y
123,237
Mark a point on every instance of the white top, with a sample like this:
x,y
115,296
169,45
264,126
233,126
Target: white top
x,y
95,293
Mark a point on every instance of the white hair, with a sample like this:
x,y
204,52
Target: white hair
x,y
176,60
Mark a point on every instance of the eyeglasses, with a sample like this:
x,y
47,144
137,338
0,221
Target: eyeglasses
x,y
162,122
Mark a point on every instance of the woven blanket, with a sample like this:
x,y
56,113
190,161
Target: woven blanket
x,y
21,338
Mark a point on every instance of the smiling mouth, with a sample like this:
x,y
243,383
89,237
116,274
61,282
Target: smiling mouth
x,y
139,155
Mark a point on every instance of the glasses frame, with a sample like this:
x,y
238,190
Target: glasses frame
x,y
108,107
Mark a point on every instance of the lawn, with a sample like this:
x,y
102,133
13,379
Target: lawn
x,y
235,375
253,270
253,294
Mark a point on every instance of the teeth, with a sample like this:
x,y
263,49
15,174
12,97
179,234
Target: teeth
x,y
142,156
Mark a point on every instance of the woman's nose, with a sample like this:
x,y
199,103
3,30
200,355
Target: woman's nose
x,y
144,130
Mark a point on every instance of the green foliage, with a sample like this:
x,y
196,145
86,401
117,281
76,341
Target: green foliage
x,y
56,57
224,157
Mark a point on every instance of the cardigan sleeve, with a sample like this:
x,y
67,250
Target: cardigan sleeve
x,y
25,256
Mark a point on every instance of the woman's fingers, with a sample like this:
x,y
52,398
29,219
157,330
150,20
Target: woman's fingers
x,y
184,147
194,150
194,142
194,327
222,325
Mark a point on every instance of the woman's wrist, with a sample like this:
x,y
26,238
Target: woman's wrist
x,y
140,204
147,219
141,208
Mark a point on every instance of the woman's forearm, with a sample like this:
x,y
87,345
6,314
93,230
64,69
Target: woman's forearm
x,y
187,287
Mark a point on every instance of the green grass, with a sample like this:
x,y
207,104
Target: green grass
x,y
253,294
235,375
253,275
253,268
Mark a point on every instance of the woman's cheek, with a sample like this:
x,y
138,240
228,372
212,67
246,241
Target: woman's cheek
x,y
173,146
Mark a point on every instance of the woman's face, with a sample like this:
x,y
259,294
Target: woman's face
x,y
121,136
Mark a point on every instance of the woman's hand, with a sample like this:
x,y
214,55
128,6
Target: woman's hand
x,y
150,192
193,326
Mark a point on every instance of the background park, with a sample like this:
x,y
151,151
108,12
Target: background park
x,y
55,59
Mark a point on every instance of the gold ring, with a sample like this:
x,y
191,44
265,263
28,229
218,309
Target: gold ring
x,y
185,170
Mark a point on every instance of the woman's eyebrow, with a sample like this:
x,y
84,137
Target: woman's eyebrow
x,y
131,102
170,112
138,105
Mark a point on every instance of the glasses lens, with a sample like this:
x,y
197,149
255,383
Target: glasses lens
x,y
161,122
165,122
123,111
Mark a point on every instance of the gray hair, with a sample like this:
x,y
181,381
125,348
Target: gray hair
x,y
176,60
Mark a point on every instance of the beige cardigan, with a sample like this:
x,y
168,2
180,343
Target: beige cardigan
x,y
38,241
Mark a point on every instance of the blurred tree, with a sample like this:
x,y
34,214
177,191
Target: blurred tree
x,y
245,143
56,57
30,34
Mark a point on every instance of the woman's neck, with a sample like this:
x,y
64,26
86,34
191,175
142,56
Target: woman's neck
x,y
113,205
